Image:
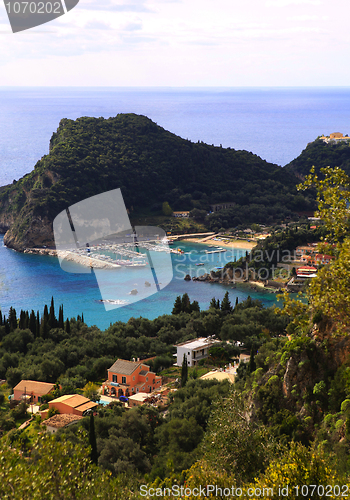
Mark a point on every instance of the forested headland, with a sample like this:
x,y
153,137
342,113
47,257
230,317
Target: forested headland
x,y
151,166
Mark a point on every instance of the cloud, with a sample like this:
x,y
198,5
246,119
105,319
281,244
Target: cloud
x,y
284,3
112,6
98,25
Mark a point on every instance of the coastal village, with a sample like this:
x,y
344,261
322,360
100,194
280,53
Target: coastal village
x,y
128,383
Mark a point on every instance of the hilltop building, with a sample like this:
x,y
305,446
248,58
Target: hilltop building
x,y
334,137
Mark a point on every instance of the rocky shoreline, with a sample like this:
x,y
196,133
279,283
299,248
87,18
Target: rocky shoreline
x,y
229,279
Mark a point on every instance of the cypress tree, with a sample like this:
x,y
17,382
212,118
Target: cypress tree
x,y
32,323
46,313
184,371
67,326
1,323
37,329
44,328
82,317
7,326
12,319
22,320
52,318
92,439
236,302
60,318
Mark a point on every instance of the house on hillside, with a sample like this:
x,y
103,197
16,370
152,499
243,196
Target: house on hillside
x,y
306,272
126,378
194,350
31,390
53,424
72,404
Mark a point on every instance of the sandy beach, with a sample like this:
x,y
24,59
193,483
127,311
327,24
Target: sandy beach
x,y
248,245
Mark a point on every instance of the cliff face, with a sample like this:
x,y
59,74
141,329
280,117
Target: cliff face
x,y
38,233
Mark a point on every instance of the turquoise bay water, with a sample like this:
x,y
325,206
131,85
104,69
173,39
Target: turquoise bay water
x,y
29,281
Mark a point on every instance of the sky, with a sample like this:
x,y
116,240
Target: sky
x,y
182,43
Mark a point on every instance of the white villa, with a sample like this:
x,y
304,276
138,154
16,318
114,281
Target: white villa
x,y
195,350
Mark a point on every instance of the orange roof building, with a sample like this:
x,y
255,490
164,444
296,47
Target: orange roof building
x,y
31,390
130,377
72,404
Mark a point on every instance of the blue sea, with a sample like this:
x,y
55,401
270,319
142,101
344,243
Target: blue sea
x,y
274,123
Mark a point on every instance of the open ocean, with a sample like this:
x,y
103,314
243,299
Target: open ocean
x,y
274,123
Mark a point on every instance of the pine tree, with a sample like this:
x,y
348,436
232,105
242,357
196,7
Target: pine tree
x,y
213,304
177,309
195,306
92,439
186,303
226,304
184,371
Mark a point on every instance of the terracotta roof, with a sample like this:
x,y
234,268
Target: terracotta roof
x,y
61,420
86,406
40,388
72,400
124,367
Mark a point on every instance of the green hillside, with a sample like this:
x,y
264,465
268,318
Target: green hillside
x,y
89,156
321,154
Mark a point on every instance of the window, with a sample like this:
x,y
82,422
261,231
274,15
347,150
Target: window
x,y
115,378
123,380
133,377
146,379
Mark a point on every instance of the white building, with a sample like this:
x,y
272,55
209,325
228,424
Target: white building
x,y
195,350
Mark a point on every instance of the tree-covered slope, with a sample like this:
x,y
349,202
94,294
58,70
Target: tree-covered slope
x,y
89,156
321,154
